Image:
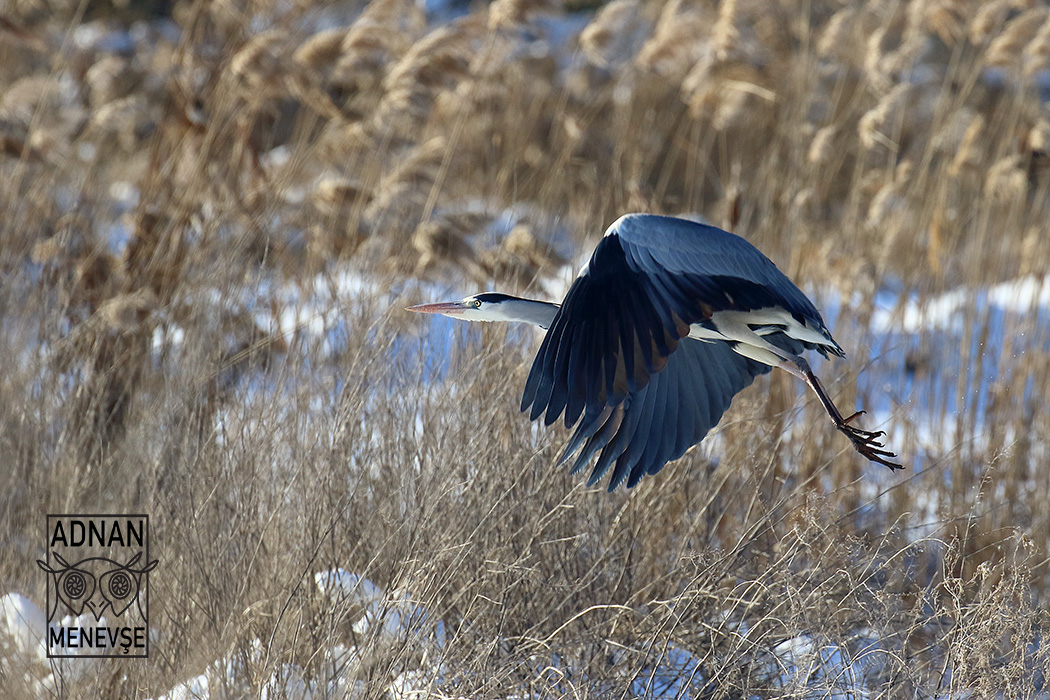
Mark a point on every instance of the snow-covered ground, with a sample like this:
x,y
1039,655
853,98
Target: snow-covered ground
x,y
23,654
382,620
933,360
800,664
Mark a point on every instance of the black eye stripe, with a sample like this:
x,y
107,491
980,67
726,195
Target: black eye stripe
x,y
492,297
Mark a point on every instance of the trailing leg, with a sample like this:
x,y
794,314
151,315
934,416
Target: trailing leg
x,y
865,442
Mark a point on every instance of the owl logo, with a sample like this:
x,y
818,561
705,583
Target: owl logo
x,y
96,584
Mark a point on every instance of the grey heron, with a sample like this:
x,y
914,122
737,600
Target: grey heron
x,y
665,324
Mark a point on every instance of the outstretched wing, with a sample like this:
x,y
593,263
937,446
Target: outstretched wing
x,y
648,280
663,419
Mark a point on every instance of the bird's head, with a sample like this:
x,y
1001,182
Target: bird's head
x,y
488,306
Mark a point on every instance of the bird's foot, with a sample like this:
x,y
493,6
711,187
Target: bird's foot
x,y
867,443
852,430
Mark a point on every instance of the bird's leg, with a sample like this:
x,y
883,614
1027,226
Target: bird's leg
x,y
866,442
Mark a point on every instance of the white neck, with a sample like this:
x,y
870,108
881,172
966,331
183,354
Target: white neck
x,y
538,313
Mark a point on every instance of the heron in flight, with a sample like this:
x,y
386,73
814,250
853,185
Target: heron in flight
x,y
664,325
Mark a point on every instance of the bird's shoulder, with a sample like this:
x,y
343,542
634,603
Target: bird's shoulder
x,y
705,261
671,238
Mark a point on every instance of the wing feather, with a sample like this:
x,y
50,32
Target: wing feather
x,y
673,412
613,360
634,429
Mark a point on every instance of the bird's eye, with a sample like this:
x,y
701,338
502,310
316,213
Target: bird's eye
x,y
476,303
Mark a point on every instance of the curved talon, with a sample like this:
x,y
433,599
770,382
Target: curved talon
x,y
855,415
873,452
863,434
861,440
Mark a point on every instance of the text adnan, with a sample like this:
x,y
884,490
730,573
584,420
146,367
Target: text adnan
x,y
98,533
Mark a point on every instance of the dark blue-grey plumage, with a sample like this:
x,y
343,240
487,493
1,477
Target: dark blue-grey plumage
x,y
659,422
649,279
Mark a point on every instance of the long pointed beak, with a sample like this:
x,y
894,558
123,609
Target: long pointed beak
x,y
445,307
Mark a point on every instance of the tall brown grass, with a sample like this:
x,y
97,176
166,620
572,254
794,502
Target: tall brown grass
x,y
271,157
